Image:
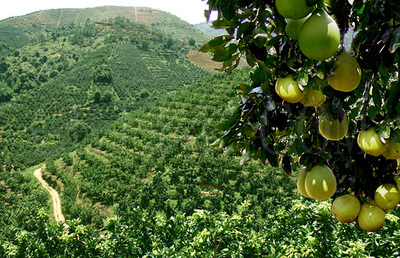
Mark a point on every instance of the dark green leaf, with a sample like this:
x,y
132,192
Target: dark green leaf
x,y
242,29
224,53
395,41
376,96
215,43
373,111
274,41
221,24
225,125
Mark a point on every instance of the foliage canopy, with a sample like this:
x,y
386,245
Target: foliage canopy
x,y
268,129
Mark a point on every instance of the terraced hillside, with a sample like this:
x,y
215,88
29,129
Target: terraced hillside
x,y
81,78
158,158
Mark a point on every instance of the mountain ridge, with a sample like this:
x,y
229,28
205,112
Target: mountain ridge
x,y
157,19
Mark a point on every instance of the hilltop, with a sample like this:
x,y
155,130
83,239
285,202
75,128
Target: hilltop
x,y
163,21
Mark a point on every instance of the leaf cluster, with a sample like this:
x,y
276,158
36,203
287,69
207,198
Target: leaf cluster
x,y
268,129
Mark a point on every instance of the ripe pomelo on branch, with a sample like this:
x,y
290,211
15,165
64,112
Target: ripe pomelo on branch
x,y
320,183
370,142
301,182
312,97
346,73
293,27
371,217
293,9
288,89
387,196
331,128
319,37
346,208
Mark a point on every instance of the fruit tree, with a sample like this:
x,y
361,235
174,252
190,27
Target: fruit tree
x,y
324,93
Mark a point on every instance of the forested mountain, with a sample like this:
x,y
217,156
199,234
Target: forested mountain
x,y
18,31
120,107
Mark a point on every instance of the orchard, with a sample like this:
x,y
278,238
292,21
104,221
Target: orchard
x,y
324,96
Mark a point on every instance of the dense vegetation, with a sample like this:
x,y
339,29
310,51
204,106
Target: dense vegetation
x,y
123,122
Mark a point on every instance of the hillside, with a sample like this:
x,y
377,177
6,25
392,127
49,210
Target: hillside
x,y
162,21
19,31
82,76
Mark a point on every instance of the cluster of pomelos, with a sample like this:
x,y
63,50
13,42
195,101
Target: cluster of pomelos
x,y
320,183
319,38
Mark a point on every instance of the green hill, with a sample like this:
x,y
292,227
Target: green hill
x,y
19,31
83,75
162,21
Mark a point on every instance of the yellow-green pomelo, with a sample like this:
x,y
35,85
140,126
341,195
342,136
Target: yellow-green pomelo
x,y
312,97
320,183
293,27
387,196
288,89
319,37
371,217
346,208
393,149
293,9
333,129
300,182
346,73
370,142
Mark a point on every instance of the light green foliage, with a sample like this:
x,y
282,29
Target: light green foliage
x,y
284,233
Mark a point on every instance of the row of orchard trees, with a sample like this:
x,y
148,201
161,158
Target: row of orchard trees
x,y
287,233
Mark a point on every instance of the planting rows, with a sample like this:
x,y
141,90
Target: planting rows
x,y
159,158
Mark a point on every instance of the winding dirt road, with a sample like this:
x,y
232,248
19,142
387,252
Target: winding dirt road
x,y
58,215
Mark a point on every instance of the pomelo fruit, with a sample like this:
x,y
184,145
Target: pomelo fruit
x,y
312,97
333,129
346,73
370,142
293,9
393,149
387,196
371,217
288,89
319,37
293,27
320,183
300,182
346,208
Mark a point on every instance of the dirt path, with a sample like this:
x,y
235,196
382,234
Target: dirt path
x,y
58,215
